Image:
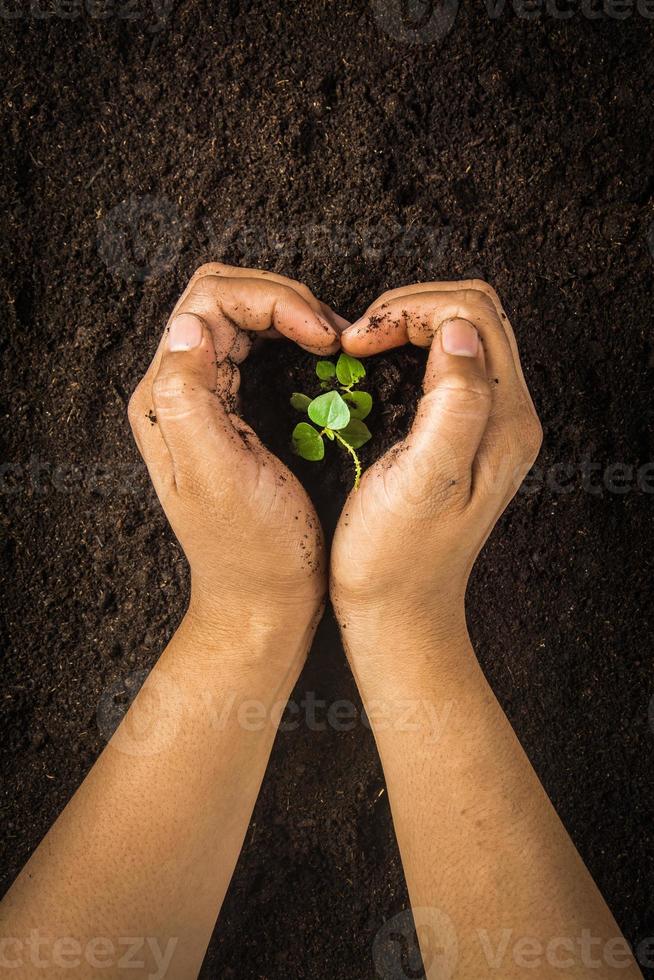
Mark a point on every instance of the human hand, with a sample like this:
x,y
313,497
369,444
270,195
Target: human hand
x,y
248,529
407,539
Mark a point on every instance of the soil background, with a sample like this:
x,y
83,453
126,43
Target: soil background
x,y
324,141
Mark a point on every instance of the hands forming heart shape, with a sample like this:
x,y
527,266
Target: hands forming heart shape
x,y
409,535
149,843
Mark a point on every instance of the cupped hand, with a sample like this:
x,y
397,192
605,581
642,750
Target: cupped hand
x,y
407,539
248,529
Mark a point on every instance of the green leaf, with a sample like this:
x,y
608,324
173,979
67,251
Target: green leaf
x,y
307,442
325,370
301,402
329,410
360,403
349,371
330,435
356,433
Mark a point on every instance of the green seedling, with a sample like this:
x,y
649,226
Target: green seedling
x,y
339,412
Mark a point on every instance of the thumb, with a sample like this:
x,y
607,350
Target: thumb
x,y
454,410
194,422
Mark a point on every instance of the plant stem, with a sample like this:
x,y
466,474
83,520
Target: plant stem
x,y
357,464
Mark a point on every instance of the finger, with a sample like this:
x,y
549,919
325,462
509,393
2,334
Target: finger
x,y
194,421
507,452
336,322
417,317
438,285
233,271
228,382
230,341
245,272
453,413
256,305
233,347
413,319
460,285
512,434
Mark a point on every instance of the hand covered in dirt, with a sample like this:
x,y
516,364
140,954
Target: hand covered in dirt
x,y
407,540
247,527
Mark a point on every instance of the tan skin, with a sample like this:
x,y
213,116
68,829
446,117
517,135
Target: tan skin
x,y
483,850
482,847
148,844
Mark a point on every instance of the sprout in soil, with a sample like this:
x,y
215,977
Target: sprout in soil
x,y
339,412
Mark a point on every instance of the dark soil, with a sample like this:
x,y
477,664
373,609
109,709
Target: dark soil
x,y
308,140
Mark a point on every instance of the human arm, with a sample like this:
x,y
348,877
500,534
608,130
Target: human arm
x,y
490,868
147,845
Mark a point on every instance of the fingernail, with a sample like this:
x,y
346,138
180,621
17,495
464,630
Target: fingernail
x,y
185,332
459,337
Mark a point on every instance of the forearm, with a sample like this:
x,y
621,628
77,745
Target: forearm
x,y
148,844
480,840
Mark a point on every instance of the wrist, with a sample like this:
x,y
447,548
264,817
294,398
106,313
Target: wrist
x,y
261,647
416,685
206,686
378,620
251,628
390,644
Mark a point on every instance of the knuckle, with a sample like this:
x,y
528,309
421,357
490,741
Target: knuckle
x,y
190,484
465,390
532,438
474,298
306,294
177,395
211,269
289,295
285,289
382,299
136,407
169,387
525,439
302,289
481,286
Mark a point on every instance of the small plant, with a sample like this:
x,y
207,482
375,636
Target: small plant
x,y
339,412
